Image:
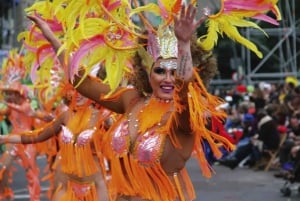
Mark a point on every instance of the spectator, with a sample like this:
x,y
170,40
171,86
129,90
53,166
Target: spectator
x,y
267,137
258,99
292,140
244,145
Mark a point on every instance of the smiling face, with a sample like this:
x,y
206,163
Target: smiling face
x,y
162,78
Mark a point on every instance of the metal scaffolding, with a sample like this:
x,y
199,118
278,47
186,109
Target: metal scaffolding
x,y
285,50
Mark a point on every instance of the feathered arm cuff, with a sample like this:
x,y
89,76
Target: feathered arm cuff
x,y
200,105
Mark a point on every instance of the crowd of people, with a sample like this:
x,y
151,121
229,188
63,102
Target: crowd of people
x,y
125,105
263,118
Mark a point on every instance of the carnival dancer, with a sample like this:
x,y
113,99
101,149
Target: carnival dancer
x,y
21,116
79,169
148,155
164,119
48,148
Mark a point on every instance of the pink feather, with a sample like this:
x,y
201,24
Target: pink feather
x,y
163,10
113,6
266,18
85,48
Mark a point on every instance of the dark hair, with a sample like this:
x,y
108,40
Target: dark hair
x,y
297,89
204,61
140,79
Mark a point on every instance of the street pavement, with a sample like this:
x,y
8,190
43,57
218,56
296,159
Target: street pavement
x,y
240,184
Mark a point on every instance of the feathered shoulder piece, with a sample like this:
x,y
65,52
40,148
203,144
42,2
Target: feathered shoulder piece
x,y
99,32
40,59
235,14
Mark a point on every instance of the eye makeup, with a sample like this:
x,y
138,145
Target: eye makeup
x,y
162,71
159,70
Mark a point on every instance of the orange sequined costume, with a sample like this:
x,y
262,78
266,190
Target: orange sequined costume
x,y
25,153
140,144
79,169
137,161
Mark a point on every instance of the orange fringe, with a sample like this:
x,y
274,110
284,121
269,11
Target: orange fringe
x,y
178,186
7,193
97,144
205,105
50,178
152,114
120,183
201,106
21,153
56,192
151,183
75,156
188,183
2,172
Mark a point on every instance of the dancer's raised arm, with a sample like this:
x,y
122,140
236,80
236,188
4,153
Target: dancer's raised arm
x,y
35,136
89,87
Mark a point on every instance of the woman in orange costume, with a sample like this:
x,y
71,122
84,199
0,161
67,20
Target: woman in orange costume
x,y
79,169
21,116
148,153
164,120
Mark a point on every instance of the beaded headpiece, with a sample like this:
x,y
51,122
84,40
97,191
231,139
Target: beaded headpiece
x,y
162,44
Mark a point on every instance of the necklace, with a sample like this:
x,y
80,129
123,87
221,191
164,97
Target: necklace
x,y
161,100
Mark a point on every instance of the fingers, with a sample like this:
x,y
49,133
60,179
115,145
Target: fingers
x,y
188,13
193,12
182,11
201,20
2,139
33,18
36,18
175,19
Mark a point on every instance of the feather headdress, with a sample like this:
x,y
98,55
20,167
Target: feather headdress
x,y
13,72
13,68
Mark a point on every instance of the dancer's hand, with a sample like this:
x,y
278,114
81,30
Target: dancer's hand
x,y
42,25
2,139
184,28
46,31
186,23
